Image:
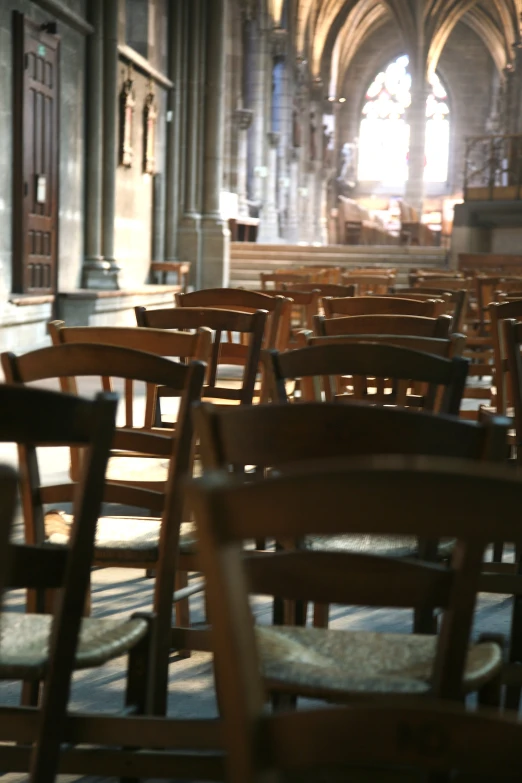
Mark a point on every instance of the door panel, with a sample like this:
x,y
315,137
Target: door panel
x,y
36,155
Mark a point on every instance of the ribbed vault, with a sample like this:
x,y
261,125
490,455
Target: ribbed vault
x,y
341,26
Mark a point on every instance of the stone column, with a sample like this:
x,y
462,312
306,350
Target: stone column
x,y
175,38
189,228
110,140
243,119
417,154
269,217
257,74
292,225
95,269
215,247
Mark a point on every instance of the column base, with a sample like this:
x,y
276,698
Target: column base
x,y
100,274
189,246
215,253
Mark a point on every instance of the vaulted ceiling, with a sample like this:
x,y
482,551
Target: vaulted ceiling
x,y
332,31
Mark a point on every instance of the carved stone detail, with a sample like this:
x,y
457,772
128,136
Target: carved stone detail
x,y
273,138
278,42
243,118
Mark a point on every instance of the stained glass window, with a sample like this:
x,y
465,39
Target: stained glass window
x,y
384,138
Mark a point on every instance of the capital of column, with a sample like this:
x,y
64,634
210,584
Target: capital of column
x,y
243,118
274,138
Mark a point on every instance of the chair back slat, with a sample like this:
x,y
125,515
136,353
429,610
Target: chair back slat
x,y
453,346
325,289
408,325
381,305
498,313
276,435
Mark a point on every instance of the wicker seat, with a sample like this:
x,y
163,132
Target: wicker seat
x,y
385,546
121,536
347,662
24,643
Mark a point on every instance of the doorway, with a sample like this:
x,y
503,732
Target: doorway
x,y
36,50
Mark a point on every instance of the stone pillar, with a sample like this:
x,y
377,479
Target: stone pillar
x,y
417,154
269,217
292,224
96,271
311,217
172,200
257,73
243,119
110,141
215,247
189,228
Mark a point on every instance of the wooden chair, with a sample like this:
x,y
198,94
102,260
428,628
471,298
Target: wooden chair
x,y
179,345
407,325
467,502
8,498
498,312
162,269
123,541
381,305
270,280
275,436
46,648
278,308
372,270
250,327
435,274
369,284
325,289
371,367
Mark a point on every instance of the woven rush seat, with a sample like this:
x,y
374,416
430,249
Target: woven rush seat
x,y
385,546
348,662
119,535
24,643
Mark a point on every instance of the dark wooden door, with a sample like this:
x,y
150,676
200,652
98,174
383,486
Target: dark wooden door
x,y
35,156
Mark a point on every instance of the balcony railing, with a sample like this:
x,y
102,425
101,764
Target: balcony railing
x,y
493,169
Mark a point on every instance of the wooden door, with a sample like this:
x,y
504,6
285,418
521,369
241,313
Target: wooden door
x,y
35,156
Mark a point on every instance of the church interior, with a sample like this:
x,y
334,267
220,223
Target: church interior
x,y
260,391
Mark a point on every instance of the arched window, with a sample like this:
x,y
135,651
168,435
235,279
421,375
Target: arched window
x,y
384,137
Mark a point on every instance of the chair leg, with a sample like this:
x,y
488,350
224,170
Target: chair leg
x,y
139,680
498,551
182,608
321,615
512,700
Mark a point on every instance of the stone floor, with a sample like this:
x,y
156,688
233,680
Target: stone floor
x,y
119,592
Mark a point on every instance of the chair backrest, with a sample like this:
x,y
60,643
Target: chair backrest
x,y
424,497
498,312
107,361
412,325
452,346
369,284
459,298
372,270
277,279
444,283
380,374
244,301
268,436
180,345
250,327
306,301
381,305
317,273
325,289
37,417
389,740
